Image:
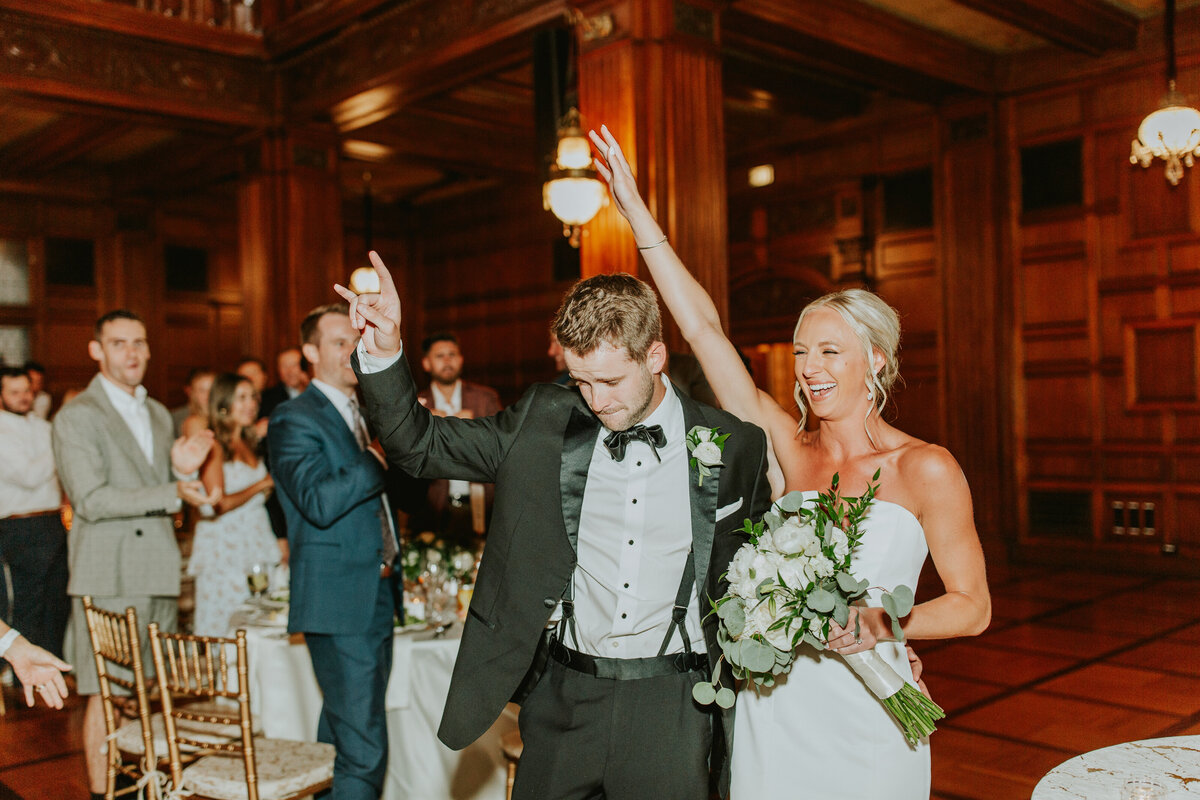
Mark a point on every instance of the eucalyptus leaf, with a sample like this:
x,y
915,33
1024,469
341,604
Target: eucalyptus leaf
x,y
735,620
772,520
847,583
790,502
758,657
902,600
725,697
841,611
704,693
820,600
814,641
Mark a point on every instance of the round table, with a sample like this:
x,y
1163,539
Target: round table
x,y
287,701
1099,775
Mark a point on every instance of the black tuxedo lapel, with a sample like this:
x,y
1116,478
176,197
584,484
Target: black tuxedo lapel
x,y
579,439
704,500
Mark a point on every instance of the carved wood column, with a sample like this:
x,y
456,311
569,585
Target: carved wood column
x,y
655,80
976,317
290,234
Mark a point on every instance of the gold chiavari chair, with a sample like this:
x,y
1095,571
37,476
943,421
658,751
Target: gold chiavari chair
x,y
248,768
115,641
137,746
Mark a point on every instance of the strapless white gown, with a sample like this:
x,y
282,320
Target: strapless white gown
x,y
820,733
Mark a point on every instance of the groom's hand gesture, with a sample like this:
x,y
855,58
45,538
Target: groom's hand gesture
x,y
376,317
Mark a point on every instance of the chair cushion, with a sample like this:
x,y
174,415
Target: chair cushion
x,y
284,768
129,735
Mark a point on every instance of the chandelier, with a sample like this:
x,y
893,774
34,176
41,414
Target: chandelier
x,y
573,193
1171,133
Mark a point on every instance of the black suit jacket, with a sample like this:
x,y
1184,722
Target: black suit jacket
x,y
538,453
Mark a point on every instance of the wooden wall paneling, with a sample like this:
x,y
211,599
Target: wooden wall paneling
x,y
1118,310
1188,515
657,85
290,233
1162,364
975,300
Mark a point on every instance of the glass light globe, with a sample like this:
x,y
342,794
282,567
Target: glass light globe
x,y
1172,129
574,200
574,152
364,280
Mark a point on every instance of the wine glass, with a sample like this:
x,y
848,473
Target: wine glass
x,y
258,578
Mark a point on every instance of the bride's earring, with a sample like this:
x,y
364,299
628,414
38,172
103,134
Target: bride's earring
x,y
870,393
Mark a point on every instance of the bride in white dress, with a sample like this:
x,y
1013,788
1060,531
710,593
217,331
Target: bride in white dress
x,y
820,733
240,534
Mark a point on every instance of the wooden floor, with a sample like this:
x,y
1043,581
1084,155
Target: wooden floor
x,y
1073,661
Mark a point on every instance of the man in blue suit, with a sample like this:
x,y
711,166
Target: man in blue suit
x,y
330,483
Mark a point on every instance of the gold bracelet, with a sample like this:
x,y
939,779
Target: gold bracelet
x,y
652,246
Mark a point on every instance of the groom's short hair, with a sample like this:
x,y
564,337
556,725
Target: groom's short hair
x,y
618,309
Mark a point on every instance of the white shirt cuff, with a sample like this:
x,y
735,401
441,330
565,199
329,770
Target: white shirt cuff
x,y
370,364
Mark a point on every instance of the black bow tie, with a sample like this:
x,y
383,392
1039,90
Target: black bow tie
x,y
617,441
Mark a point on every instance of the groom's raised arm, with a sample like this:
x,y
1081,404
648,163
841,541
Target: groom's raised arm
x,y
426,446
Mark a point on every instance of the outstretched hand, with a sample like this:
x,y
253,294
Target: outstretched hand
x,y
376,316
188,452
617,173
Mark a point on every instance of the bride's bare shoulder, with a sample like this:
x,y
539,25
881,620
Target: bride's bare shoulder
x,y
925,462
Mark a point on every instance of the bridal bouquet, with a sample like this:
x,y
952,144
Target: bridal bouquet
x,y
787,583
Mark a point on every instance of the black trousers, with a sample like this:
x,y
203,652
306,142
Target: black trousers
x,y
35,549
587,737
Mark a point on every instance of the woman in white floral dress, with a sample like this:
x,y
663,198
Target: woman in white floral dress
x,y
240,532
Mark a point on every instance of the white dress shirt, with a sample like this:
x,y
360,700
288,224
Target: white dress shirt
x,y
451,407
624,592
635,531
27,479
132,408
341,402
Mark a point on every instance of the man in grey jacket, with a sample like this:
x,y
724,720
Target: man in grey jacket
x,y
113,447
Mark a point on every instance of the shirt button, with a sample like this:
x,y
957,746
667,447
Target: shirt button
x,y
623,616
639,463
627,586
616,644
635,501
549,602
631,541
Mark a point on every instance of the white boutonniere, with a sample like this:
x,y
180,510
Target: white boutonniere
x,y
706,446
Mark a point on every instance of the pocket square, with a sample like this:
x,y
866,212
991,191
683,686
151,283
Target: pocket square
x,y
725,511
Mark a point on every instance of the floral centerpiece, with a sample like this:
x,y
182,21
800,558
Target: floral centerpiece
x,y
786,585
431,566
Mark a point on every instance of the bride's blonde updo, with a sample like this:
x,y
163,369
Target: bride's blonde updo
x,y
877,326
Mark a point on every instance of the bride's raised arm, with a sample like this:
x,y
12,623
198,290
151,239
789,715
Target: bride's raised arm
x,y
687,300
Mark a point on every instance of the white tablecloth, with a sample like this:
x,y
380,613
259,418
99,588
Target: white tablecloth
x,y
1099,775
285,697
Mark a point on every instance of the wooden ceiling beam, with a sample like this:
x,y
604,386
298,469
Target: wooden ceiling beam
x,y
56,144
48,58
410,52
1092,27
872,34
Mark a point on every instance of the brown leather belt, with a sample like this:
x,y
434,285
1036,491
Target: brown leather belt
x,y
54,512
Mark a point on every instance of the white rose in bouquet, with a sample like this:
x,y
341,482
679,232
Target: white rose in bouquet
x,y
793,573
841,543
758,619
740,583
790,537
822,566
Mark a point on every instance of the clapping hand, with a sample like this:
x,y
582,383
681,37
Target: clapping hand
x,y
195,494
376,316
188,452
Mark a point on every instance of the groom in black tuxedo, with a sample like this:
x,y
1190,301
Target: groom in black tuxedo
x,y
602,532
